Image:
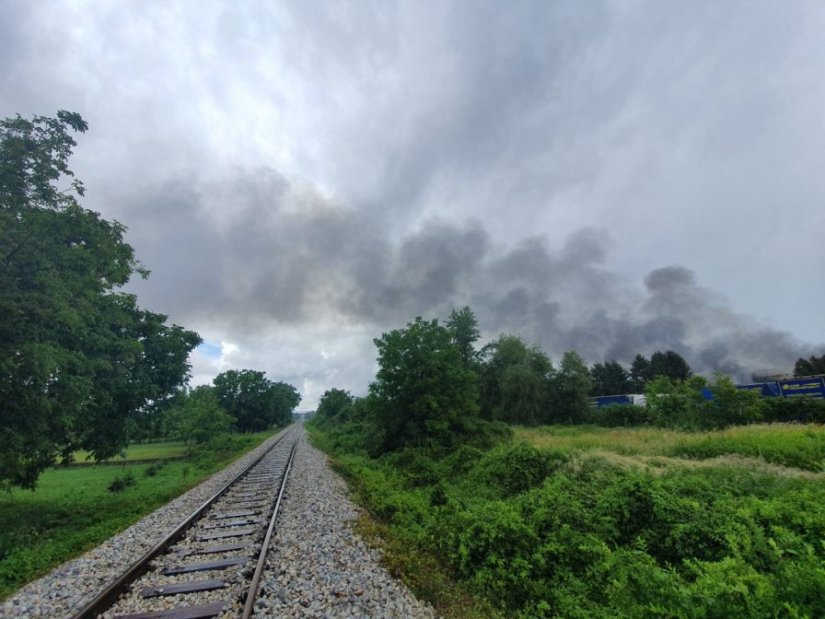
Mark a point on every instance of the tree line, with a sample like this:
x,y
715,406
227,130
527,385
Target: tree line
x,y
236,401
433,387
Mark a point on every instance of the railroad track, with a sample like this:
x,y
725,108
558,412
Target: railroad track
x,y
211,564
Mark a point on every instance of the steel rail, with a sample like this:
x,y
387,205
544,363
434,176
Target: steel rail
x,y
254,586
106,598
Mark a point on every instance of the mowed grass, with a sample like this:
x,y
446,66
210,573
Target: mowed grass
x,y
72,510
789,445
142,452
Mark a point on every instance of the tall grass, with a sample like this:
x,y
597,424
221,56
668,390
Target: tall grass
x,y
793,445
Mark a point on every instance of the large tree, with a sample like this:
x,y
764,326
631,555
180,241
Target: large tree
x,y
423,392
639,373
514,381
670,364
570,388
463,327
610,378
197,417
334,404
78,358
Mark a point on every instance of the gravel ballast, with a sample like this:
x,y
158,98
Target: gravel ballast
x,y
318,566
70,586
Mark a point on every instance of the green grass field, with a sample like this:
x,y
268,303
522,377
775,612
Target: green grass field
x,y
72,510
142,452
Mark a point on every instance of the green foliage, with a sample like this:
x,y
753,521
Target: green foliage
x,y
798,447
569,390
810,366
695,404
463,328
119,484
334,407
154,469
78,359
615,415
669,364
610,378
514,381
639,373
512,469
550,534
423,393
628,531
255,402
801,410
196,417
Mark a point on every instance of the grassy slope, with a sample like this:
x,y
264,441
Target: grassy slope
x,y
72,511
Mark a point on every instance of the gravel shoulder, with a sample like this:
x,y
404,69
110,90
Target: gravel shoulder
x,y
319,567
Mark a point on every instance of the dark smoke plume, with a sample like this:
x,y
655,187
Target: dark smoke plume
x,y
287,255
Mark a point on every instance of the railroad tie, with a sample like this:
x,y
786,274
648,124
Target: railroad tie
x,y
205,566
201,611
192,586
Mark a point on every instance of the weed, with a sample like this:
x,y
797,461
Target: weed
x,y
120,483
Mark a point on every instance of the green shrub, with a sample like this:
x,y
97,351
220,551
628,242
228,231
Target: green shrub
x,y
119,484
515,468
801,410
542,533
154,469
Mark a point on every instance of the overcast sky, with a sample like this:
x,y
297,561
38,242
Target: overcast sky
x,y
614,177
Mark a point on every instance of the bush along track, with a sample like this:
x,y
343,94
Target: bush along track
x,y
563,533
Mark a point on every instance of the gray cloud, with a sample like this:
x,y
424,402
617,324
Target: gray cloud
x,y
285,255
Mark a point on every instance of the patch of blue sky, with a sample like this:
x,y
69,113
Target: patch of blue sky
x,y
210,349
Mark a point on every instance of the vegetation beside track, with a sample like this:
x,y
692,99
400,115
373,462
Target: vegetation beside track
x,y
677,509
73,508
569,530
